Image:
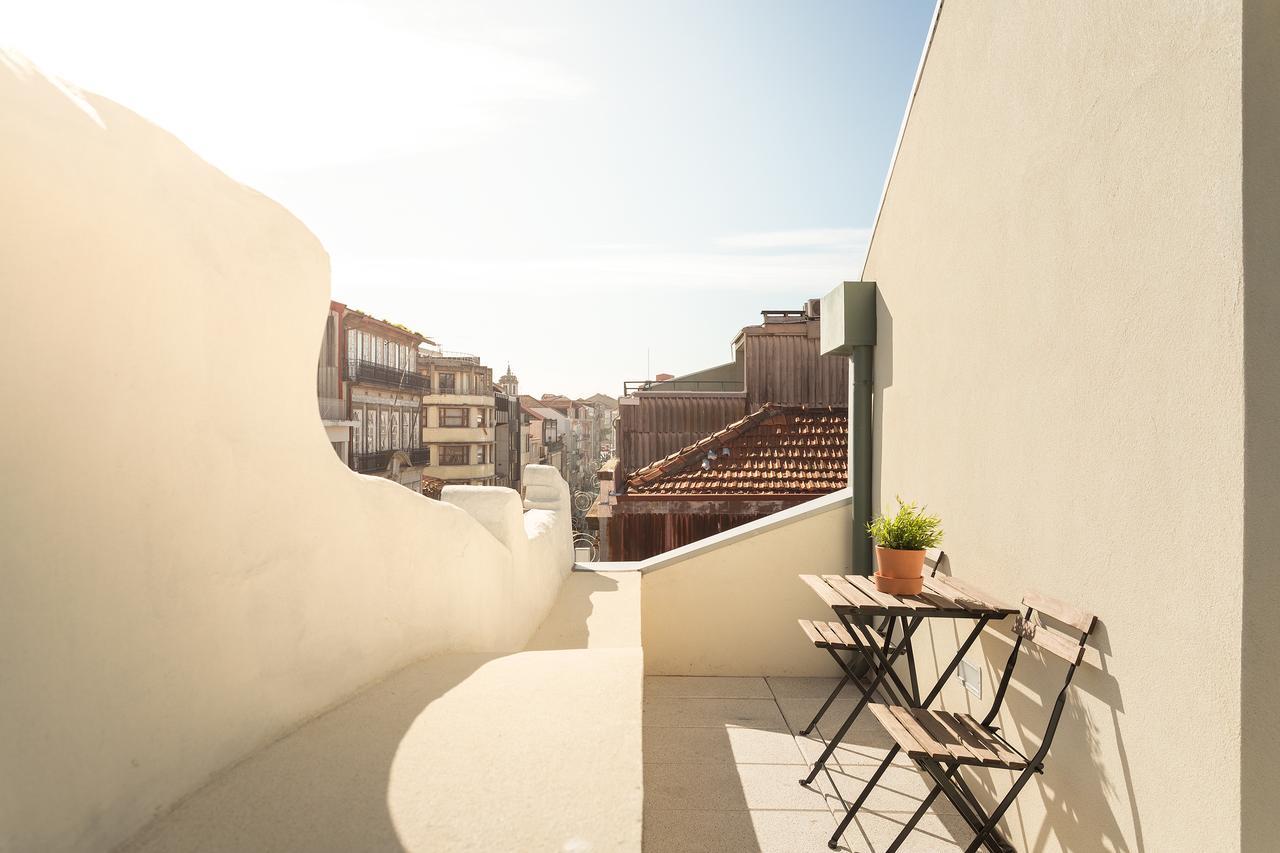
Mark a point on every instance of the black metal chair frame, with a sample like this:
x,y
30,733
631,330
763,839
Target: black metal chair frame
x,y
884,659
848,670
945,774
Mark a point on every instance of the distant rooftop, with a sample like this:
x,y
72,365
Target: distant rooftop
x,y
774,450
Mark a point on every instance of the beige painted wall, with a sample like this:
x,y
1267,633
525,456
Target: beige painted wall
x,y
1059,376
728,604
188,569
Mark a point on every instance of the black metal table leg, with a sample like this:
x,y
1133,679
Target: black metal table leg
x,y
870,690
887,661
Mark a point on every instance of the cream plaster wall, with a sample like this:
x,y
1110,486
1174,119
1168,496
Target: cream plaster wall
x,y
1059,376
728,604
197,572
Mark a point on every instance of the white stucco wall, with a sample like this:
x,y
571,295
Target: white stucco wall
x,y
188,569
1059,376
728,604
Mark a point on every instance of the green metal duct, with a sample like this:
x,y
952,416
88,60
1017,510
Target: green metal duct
x,y
848,326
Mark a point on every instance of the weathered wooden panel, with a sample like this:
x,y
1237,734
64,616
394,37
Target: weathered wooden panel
x,y
638,537
659,424
786,368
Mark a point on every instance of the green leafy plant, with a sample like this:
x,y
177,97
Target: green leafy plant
x,y
909,530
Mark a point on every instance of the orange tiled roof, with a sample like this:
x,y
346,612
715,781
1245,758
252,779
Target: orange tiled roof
x,y
776,450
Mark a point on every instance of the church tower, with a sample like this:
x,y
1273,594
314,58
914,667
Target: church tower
x,y
510,385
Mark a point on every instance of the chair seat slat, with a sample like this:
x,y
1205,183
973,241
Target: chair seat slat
x,y
976,745
842,634
812,633
942,735
1010,759
827,637
897,731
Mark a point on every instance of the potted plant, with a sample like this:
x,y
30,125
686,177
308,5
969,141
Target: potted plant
x,y
901,541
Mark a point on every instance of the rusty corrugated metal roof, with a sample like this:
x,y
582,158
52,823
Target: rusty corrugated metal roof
x,y
775,450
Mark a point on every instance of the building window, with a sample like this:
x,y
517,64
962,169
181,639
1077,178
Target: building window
x,y
357,434
453,417
447,382
454,454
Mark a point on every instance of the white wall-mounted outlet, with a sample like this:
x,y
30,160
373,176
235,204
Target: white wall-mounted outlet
x,y
971,677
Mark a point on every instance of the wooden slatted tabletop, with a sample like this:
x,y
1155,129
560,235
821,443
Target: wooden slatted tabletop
x,y
944,597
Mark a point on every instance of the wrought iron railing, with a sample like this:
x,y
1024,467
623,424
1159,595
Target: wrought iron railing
x,y
390,377
629,388
367,463
453,355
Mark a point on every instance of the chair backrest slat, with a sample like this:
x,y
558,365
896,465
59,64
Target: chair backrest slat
x,y
934,559
1050,640
1060,610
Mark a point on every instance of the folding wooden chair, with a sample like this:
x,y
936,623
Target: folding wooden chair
x,y
941,742
835,638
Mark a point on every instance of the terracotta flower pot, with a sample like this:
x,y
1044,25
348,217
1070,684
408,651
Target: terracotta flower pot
x,y
892,563
899,586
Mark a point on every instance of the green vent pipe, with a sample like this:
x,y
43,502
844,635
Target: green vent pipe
x,y
848,326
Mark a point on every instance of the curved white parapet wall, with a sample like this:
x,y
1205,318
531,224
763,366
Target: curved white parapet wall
x,y
188,570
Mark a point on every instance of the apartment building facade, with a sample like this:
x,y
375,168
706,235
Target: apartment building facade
x,y
506,439
385,393
332,394
458,418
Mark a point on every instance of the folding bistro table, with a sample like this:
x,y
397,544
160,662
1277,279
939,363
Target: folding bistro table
x,y
856,602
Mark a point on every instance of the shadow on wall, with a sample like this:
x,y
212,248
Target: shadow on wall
x,y
1072,786
342,780
322,787
251,580
568,624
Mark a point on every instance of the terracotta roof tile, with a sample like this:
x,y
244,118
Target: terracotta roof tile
x,y
775,450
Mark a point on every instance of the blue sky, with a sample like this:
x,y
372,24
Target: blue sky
x,y
575,187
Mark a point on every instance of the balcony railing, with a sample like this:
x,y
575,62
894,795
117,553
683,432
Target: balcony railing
x,y
452,355
399,378
367,463
629,388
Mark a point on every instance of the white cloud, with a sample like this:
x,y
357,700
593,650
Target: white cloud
x,y
832,239
257,86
